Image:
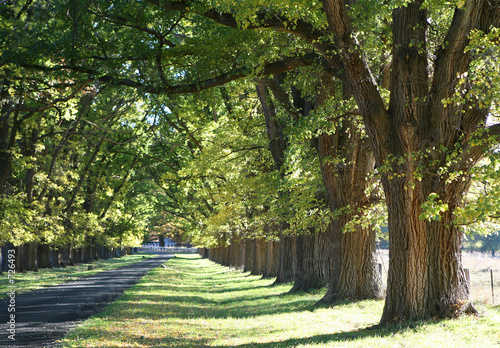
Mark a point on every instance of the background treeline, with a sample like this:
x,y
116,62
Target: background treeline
x,y
67,168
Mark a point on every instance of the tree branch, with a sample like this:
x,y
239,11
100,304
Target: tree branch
x,y
263,20
55,101
271,68
360,79
451,63
474,151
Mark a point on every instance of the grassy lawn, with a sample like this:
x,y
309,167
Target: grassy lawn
x,y
46,277
196,303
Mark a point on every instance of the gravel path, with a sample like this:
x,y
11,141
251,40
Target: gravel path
x,y
46,315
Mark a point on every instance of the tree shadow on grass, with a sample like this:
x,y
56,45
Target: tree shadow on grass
x,y
183,307
339,337
348,336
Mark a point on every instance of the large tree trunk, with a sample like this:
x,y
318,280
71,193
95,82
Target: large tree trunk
x,y
308,270
260,256
5,265
359,278
249,255
277,145
19,263
354,272
425,272
428,253
447,282
225,256
241,255
272,259
44,256
254,256
286,263
232,254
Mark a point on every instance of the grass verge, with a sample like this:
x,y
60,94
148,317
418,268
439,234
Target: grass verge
x,y
196,303
44,277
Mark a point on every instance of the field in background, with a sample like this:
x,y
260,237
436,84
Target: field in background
x,y
479,266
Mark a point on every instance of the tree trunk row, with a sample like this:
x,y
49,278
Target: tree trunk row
x,y
32,256
292,259
257,256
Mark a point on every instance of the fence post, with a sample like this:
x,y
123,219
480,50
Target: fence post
x,y
467,277
492,287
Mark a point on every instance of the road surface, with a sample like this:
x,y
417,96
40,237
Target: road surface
x,y
46,315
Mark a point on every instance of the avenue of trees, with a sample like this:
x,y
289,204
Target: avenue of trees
x,y
276,136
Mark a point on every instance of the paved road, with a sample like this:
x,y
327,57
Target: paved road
x,y
46,315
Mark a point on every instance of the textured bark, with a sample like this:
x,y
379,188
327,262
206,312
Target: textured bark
x,y
44,256
203,252
255,255
353,273
249,255
359,278
275,134
425,272
225,256
286,263
70,255
260,256
26,257
19,259
277,146
308,270
272,259
218,255
233,254
31,256
241,255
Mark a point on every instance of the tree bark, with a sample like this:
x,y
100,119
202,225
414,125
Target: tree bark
x,y
425,271
253,255
44,256
353,273
286,263
308,271
241,255
260,256
272,259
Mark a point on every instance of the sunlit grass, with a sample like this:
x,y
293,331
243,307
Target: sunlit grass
x,y
28,281
196,303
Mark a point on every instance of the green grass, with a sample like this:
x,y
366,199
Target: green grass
x,y
196,303
28,281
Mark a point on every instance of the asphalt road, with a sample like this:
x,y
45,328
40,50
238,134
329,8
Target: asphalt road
x,y
46,315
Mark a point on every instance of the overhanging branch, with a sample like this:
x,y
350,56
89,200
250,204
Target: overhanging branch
x,y
263,20
269,69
